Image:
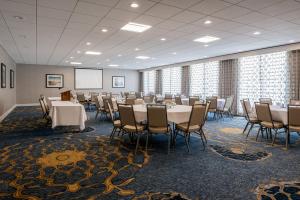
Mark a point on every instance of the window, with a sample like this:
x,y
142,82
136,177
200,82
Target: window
x,y
264,76
171,80
149,82
204,79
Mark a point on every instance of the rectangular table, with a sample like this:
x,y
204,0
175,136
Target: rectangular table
x,y
66,113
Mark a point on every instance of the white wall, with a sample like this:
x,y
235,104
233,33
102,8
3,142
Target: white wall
x,y
31,81
7,95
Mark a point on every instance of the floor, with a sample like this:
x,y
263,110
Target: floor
x,y
37,162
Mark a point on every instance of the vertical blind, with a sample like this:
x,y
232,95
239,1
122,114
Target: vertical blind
x,y
204,79
149,82
171,80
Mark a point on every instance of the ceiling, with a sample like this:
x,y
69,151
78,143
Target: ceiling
x,y
52,31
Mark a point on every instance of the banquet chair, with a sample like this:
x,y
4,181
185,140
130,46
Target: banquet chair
x,y
94,98
293,121
158,122
213,105
116,123
44,109
226,110
168,96
45,103
126,94
129,124
147,99
266,100
294,102
194,125
178,100
130,101
99,107
193,99
266,121
80,97
251,119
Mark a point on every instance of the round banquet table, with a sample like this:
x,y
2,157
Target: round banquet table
x,y
220,102
176,114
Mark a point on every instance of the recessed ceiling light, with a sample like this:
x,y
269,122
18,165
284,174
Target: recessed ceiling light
x,y
78,52
66,61
142,57
76,63
207,22
163,39
93,53
205,56
206,39
113,65
134,27
119,55
88,43
104,30
72,57
206,45
256,33
291,41
136,49
174,53
134,5
18,17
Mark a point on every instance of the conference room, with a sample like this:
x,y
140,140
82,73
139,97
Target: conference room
x,y
150,99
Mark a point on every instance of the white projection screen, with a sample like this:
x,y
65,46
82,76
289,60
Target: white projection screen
x,y
88,78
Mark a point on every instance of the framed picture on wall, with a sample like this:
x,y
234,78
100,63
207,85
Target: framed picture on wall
x,y
54,80
3,76
118,82
12,78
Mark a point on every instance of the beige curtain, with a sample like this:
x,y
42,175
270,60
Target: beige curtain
x,y
158,84
294,68
185,81
228,80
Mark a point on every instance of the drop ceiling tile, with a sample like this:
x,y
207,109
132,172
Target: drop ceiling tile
x,y
282,7
233,1
169,25
258,4
144,5
187,16
149,20
251,17
122,15
232,12
210,6
68,5
53,13
180,3
110,3
91,9
87,19
289,16
79,26
10,16
163,11
16,7
45,21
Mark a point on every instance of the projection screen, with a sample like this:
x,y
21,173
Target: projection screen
x,y
88,78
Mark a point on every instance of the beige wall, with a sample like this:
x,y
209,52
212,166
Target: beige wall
x,y
7,95
31,81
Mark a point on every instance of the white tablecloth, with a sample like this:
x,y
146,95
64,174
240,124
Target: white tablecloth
x,y
66,113
50,99
279,114
177,114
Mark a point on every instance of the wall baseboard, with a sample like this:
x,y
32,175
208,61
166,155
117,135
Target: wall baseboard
x,y
28,104
2,117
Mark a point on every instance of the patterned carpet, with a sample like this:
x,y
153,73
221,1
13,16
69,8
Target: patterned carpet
x,y
37,162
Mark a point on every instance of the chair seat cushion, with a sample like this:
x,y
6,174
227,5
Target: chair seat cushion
x,y
129,128
269,124
184,127
294,128
159,129
117,123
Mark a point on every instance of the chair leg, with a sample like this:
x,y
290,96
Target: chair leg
x,y
203,143
202,132
258,132
246,127
287,139
249,130
137,144
274,137
112,134
147,138
169,143
97,114
186,142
